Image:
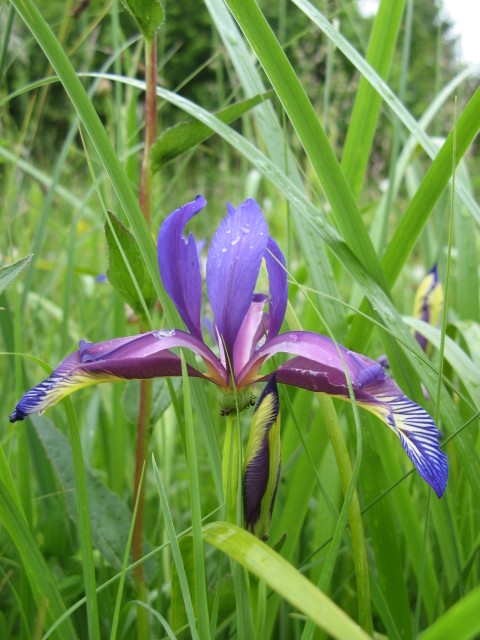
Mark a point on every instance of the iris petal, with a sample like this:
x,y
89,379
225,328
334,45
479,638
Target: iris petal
x,y
321,365
278,287
233,263
179,266
136,357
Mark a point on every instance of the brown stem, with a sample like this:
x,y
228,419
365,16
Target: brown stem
x,y
150,124
150,134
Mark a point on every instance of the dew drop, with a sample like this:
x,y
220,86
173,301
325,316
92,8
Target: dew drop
x,y
228,231
234,242
224,249
246,228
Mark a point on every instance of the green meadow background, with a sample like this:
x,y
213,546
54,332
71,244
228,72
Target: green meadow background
x,y
356,135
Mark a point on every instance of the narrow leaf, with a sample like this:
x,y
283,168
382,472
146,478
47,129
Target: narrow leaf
x,y
11,271
185,135
126,269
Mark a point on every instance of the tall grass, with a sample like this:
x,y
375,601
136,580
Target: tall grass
x,y
358,545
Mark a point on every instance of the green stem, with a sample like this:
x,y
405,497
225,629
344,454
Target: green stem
x,y
355,516
231,466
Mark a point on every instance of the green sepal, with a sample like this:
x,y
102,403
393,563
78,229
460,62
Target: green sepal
x,y
127,271
148,14
185,135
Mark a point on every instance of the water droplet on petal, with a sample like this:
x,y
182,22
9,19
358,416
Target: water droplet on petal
x,y
228,231
246,228
234,242
224,249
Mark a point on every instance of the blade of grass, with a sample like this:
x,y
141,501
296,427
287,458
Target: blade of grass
x,y
84,530
366,108
383,89
43,585
308,128
280,575
177,556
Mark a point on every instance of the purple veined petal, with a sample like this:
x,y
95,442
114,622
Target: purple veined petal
x,y
321,366
135,357
278,286
233,264
179,265
251,330
322,350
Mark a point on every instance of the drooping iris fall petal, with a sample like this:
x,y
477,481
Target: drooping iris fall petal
x,y
136,357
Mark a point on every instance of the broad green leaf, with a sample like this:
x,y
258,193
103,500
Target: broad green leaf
x,y
11,271
185,135
265,563
126,267
110,518
148,14
161,399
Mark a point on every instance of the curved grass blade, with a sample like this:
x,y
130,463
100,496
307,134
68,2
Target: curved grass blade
x,y
43,585
282,577
308,128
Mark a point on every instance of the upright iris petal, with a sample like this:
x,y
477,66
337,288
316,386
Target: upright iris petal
x,y
233,264
178,264
278,287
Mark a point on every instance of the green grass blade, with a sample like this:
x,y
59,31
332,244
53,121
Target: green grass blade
x,y
84,530
461,622
177,556
383,89
43,585
366,108
308,128
255,556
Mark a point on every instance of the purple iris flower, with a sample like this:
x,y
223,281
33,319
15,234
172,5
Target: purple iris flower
x,y
247,335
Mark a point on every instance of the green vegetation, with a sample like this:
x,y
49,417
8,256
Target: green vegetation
x,y
357,137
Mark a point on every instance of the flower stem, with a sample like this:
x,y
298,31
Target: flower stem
x,y
231,467
355,516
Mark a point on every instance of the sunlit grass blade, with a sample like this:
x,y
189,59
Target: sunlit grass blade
x,y
461,622
282,577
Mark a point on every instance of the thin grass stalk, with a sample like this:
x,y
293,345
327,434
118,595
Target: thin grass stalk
x,y
355,516
118,600
195,502
84,530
